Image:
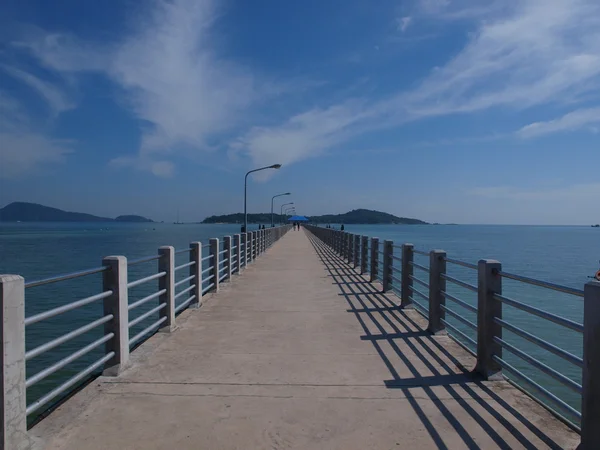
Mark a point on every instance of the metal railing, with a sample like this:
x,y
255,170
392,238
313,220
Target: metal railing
x,y
117,319
483,312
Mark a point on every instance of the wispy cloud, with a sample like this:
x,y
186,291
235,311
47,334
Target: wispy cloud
x,y
403,22
573,121
58,100
25,147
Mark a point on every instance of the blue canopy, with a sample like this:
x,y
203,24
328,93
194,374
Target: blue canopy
x,y
297,219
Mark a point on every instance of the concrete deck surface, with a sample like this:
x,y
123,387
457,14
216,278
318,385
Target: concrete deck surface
x,y
300,352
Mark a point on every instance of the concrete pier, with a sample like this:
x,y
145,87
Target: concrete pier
x,y
300,352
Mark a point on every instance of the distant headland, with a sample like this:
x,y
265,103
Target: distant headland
x,y
357,216
32,212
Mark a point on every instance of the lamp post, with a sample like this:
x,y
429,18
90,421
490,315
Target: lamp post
x,y
278,195
274,166
285,204
288,211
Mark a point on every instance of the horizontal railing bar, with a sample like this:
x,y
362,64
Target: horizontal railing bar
x,y
33,407
545,393
207,288
188,264
545,284
540,313
233,247
539,365
67,276
461,263
222,252
418,266
460,333
397,258
223,261
142,260
459,301
145,280
223,277
419,305
396,279
206,258
459,282
185,280
419,281
210,277
419,252
207,270
540,342
146,299
419,293
147,314
68,307
145,331
184,304
185,250
459,317
188,289
63,362
66,337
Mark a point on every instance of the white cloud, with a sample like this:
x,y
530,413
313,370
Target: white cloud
x,y
57,99
24,148
403,23
575,120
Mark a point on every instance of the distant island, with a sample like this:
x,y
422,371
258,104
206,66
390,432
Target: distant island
x,y
357,216
32,212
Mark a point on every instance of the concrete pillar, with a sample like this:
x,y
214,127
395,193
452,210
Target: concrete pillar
x,y
166,263
228,256
115,280
196,272
386,278
489,283
364,254
374,258
248,247
214,262
437,284
590,404
356,252
14,417
237,260
350,247
407,272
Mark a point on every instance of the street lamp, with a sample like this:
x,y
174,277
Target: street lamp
x,y
289,211
278,195
285,204
274,166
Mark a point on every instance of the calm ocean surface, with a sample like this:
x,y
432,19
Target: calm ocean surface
x,y
563,255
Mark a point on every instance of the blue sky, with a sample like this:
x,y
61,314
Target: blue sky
x,y
444,110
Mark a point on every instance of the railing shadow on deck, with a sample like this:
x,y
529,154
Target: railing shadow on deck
x,y
372,307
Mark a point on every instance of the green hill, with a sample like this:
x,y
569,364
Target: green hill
x,y
357,216
32,212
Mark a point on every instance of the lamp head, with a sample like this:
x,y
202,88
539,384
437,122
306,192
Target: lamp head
x,y
275,166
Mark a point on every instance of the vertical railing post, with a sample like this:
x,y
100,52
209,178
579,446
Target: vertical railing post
x,y
590,403
166,263
254,245
407,273
374,259
356,250
214,252
364,257
14,416
350,245
386,276
227,256
196,272
236,256
437,285
248,248
489,283
115,279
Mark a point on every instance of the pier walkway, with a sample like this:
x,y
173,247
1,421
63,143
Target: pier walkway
x,y
300,352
